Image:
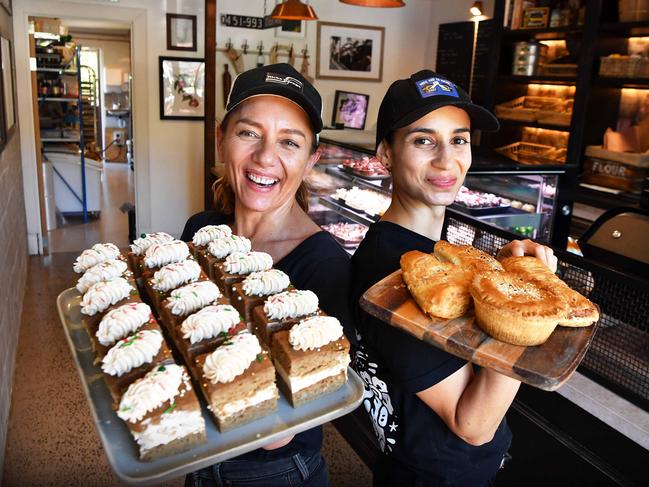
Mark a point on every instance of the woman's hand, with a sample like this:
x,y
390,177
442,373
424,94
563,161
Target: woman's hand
x,y
279,443
517,248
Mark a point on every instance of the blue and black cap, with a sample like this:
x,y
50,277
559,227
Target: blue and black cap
x,y
407,100
280,79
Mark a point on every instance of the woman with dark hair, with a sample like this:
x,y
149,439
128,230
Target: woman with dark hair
x,y
268,143
439,421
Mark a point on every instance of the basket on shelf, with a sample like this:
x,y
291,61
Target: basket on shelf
x,y
528,152
633,10
543,109
619,66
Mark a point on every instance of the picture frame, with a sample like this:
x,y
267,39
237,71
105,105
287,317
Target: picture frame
x,y
6,61
181,32
535,17
350,109
349,52
6,4
182,88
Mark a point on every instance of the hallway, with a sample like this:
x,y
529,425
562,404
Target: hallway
x,y
117,188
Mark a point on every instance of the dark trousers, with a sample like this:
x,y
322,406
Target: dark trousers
x,y
285,472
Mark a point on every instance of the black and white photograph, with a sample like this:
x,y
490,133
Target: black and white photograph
x,y
347,51
181,32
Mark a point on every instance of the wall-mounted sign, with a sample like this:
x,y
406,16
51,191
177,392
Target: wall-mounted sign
x,y
249,22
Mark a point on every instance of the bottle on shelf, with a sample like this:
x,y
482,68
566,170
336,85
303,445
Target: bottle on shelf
x,y
227,83
55,91
44,88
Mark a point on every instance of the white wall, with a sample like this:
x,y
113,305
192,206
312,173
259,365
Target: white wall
x,y
169,154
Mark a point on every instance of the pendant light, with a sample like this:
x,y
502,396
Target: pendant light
x,y
376,3
477,9
293,10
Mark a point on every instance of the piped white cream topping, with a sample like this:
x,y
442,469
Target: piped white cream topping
x,y
264,283
315,332
104,294
122,321
291,304
192,297
209,322
209,233
97,254
151,391
245,263
222,247
104,271
140,245
165,253
232,358
131,352
175,274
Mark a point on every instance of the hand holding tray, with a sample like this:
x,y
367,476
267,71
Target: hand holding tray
x,y
545,366
121,449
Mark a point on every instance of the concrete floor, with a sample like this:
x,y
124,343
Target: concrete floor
x,y
51,437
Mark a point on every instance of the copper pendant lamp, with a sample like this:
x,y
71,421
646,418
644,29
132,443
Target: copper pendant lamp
x,y
293,10
376,3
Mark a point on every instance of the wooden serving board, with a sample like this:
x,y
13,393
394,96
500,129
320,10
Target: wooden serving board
x,y
545,366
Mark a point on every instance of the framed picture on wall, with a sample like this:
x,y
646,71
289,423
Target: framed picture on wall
x,y
182,88
181,32
293,29
7,84
351,52
6,4
350,109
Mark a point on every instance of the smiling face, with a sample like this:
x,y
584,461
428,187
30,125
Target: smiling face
x,y
266,147
430,157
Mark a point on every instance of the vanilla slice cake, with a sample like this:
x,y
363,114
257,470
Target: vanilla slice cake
x,y
169,277
198,245
219,249
140,246
97,254
102,296
188,299
255,288
283,310
209,327
237,266
161,254
238,381
162,412
311,358
132,357
120,322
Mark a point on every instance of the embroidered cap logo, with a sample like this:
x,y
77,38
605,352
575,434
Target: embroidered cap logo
x,y
436,86
283,80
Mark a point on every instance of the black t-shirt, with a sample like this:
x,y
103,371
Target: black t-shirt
x,y
395,366
320,265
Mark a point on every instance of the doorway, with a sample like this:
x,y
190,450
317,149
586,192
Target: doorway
x,y
89,183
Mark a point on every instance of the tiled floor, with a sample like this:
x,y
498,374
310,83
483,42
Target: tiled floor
x,y
52,439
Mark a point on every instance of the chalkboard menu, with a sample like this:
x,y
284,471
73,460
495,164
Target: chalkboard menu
x,y
484,60
455,52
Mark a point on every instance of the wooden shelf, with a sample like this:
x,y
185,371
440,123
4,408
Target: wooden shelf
x,y
626,29
540,125
58,98
543,34
71,72
641,83
549,80
56,139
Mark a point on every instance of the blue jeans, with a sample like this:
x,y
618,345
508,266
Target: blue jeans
x,y
284,472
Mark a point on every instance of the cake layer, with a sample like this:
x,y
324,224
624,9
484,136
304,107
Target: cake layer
x,y
265,327
247,415
157,297
302,362
191,350
243,303
224,279
307,394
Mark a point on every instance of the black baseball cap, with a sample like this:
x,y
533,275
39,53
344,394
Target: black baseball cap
x,y
280,79
410,99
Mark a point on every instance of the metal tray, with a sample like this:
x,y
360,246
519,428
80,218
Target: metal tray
x,y
121,449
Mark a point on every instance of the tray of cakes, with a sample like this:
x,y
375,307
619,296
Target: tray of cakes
x,y
480,203
365,167
516,317
349,235
372,203
192,354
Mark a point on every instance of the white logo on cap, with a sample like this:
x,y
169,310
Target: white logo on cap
x,y
283,80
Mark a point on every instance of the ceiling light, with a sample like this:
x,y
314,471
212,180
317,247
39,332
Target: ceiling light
x,y
293,10
476,9
376,3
